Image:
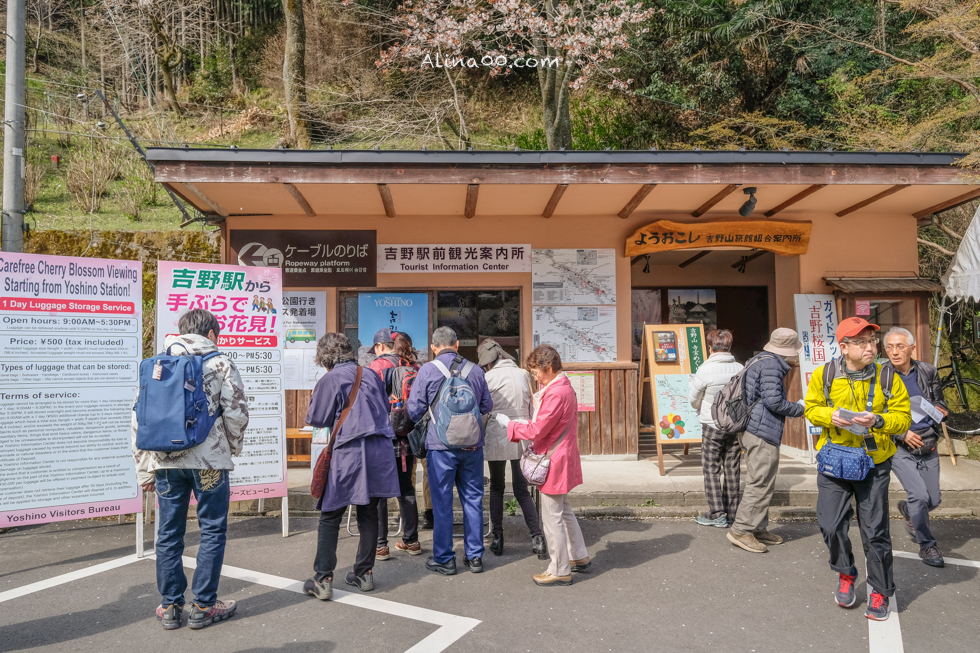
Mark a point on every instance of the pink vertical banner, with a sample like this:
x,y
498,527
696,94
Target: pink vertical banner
x,y
70,346
248,304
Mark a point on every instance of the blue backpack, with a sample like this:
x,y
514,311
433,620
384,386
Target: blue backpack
x,y
172,407
457,408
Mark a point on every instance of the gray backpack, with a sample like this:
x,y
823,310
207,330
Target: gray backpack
x,y
731,409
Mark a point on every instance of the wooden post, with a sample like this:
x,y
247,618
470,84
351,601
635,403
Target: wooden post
x,y
949,445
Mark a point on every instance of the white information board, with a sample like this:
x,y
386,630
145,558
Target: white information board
x,y
573,276
581,334
304,321
816,322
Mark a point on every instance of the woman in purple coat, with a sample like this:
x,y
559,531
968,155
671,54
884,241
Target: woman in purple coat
x,y
362,470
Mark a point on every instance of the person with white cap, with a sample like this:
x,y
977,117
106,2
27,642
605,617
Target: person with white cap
x,y
766,393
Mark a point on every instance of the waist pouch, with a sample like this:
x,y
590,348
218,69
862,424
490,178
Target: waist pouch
x,y
846,463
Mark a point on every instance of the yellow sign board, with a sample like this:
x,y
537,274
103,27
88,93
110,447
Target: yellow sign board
x,y
784,238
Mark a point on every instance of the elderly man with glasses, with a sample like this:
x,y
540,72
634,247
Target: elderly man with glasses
x,y
877,408
916,462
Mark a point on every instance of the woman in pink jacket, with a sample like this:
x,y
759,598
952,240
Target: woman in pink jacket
x,y
554,429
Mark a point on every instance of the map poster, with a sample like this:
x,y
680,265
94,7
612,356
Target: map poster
x,y
253,339
583,383
70,347
677,419
573,276
304,316
581,334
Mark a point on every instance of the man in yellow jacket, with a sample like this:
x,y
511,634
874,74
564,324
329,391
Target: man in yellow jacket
x,y
857,385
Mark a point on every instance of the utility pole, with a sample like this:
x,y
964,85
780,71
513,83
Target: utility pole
x,y
13,131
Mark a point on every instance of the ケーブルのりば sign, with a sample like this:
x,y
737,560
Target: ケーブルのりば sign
x,y
783,238
312,258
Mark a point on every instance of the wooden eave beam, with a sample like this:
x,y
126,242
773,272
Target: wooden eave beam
x,y
802,195
948,204
748,258
298,196
472,194
389,203
201,198
871,200
556,194
719,196
635,201
696,257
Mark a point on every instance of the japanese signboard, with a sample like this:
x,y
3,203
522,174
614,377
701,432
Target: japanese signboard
x,y
695,347
785,238
454,258
583,383
248,304
311,258
70,348
304,316
816,322
400,312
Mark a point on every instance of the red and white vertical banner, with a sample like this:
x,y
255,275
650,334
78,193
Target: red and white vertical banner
x,y
816,322
248,304
70,347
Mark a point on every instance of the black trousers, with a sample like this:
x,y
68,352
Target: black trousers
x,y
329,529
498,472
834,512
407,505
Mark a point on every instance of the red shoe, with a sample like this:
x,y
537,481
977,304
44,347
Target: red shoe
x,y
877,607
845,596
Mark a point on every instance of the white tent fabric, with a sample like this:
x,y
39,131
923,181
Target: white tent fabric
x,y
962,278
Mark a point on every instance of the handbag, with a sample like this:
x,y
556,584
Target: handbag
x,y
847,463
319,483
535,466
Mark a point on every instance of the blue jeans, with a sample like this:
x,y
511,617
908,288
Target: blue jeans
x,y
464,469
213,493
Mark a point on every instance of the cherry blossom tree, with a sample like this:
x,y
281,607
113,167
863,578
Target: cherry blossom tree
x,y
570,44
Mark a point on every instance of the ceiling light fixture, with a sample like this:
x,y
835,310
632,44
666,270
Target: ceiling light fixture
x,y
749,206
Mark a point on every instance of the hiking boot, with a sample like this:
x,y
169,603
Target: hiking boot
x,y
201,617
497,544
746,541
475,564
548,580
364,583
877,607
539,547
444,568
413,549
721,522
768,538
321,589
931,556
383,553
845,596
427,521
903,509
170,616
582,565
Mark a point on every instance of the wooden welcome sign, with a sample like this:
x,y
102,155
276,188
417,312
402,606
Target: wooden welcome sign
x,y
784,238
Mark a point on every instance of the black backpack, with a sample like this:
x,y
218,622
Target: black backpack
x,y
731,409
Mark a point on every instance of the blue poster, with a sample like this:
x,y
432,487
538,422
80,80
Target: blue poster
x,y
400,312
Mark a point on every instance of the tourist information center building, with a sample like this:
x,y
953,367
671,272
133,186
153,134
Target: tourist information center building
x,y
578,248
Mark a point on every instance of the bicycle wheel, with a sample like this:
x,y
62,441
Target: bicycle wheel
x,y
964,412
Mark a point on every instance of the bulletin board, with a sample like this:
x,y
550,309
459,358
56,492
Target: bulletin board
x,y
665,384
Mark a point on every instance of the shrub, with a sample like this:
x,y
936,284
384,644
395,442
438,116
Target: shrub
x,y
91,167
138,190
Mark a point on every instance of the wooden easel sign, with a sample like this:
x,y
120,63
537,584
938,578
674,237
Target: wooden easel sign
x,y
670,353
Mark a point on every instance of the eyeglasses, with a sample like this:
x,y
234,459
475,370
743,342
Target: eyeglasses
x,y
898,347
862,344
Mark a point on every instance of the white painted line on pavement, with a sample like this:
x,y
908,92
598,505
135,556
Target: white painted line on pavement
x,y
949,561
67,578
886,636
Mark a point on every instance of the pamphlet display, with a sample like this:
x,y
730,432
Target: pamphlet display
x,y
70,348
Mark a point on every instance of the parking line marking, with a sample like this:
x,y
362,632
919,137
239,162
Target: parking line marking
x,y
886,636
949,561
67,578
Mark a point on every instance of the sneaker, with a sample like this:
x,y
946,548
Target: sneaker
x,y
322,590
383,553
201,617
581,565
427,521
414,549
364,583
903,509
845,596
768,538
170,616
931,556
746,541
444,568
877,607
475,564
548,580
721,522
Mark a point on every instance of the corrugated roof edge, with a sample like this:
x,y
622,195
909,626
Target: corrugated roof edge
x,y
632,157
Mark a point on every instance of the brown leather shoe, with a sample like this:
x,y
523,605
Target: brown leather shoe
x,y
414,548
383,553
768,538
548,580
746,541
582,565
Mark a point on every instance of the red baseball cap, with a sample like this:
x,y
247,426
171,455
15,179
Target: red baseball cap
x,y
853,326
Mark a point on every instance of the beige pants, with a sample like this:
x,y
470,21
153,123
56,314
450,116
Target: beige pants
x,y
561,530
761,465
426,497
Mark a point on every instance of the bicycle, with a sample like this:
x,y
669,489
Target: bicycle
x,y
962,395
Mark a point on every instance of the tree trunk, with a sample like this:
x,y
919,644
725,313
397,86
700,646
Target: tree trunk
x,y
170,89
294,73
554,83
81,25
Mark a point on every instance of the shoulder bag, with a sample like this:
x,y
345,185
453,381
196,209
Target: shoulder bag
x,y
322,468
846,463
535,467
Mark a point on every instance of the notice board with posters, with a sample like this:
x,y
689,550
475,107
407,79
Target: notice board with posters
x,y
304,317
70,348
311,258
665,385
253,339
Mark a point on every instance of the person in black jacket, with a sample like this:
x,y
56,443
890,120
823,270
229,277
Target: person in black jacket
x,y
916,462
766,392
